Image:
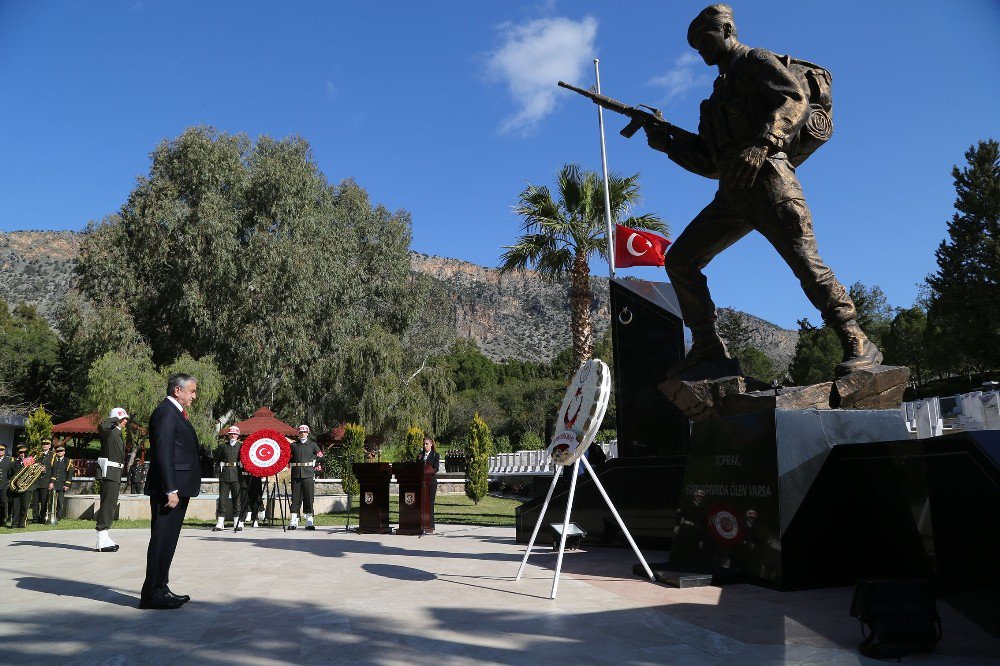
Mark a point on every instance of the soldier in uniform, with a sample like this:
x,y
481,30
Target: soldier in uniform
x,y
303,463
227,456
19,501
753,116
40,502
6,464
60,480
111,464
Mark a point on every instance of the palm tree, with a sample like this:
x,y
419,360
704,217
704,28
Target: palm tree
x,y
561,235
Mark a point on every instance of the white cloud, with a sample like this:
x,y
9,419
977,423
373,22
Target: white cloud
x,y
534,57
331,90
689,72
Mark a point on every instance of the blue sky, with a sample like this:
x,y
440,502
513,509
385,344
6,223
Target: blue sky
x,y
448,109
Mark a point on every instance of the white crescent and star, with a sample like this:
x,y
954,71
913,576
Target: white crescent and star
x,y
631,248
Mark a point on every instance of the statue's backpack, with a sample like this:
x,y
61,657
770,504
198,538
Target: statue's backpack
x,y
818,127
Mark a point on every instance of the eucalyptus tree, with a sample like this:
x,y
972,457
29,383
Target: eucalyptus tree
x,y
240,250
562,233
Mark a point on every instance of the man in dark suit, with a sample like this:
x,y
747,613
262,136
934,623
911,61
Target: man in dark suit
x,y
174,477
61,479
6,464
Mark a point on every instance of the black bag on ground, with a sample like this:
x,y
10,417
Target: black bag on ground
x,y
897,617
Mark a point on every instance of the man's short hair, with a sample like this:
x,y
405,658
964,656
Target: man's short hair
x,y
178,380
709,17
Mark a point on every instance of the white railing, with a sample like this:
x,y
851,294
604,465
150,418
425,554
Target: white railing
x,y
534,462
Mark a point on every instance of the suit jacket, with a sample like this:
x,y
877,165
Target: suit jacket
x,y
173,448
112,447
433,459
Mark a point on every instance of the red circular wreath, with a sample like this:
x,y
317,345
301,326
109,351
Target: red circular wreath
x,y
284,452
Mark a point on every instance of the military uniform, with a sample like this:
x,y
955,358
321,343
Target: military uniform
x,y
251,496
227,457
303,464
757,103
20,502
112,448
6,465
40,501
61,478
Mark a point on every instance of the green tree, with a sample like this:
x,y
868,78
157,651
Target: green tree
x,y
353,451
501,444
964,300
740,340
874,314
561,235
414,443
37,427
530,441
906,343
124,380
241,251
817,354
29,353
480,448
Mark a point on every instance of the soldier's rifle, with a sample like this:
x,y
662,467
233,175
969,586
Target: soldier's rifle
x,y
642,115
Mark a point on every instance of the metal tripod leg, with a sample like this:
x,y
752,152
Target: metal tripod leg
x,y
562,537
621,523
538,523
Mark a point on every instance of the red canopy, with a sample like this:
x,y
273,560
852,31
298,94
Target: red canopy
x,y
263,418
78,427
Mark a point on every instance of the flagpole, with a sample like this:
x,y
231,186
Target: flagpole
x,y
607,188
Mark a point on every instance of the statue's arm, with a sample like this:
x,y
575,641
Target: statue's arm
x,y
785,103
686,149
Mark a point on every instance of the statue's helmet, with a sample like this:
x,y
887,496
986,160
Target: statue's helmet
x,y
709,17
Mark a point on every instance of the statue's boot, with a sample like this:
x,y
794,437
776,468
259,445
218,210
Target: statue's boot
x,y
859,351
708,358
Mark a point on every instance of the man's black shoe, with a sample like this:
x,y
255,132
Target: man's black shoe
x,y
183,598
160,602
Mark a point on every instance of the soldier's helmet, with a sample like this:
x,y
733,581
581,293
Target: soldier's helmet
x,y
233,430
709,17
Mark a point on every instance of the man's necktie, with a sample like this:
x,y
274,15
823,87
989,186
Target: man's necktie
x,y
184,412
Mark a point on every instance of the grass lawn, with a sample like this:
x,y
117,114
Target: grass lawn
x,y
449,509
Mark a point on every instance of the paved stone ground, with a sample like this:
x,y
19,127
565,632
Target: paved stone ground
x,y
331,596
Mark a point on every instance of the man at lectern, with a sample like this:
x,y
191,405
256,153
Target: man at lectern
x,y
430,458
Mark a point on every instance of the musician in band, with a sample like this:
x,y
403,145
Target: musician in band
x,y
303,463
60,480
6,465
22,500
40,501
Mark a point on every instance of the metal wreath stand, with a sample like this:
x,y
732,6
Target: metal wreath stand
x,y
585,438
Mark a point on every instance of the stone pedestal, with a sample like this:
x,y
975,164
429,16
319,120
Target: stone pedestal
x,y
879,387
746,477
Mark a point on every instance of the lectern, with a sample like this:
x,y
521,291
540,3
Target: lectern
x,y
415,479
374,480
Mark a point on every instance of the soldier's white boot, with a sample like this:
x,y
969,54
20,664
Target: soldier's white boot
x,y
294,522
309,522
220,523
239,525
104,542
247,519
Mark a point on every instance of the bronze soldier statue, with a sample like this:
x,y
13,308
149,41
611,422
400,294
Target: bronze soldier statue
x,y
748,135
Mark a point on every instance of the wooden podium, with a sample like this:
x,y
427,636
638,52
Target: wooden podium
x,y
374,513
414,480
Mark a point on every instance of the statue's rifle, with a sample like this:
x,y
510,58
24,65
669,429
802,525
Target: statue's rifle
x,y
641,117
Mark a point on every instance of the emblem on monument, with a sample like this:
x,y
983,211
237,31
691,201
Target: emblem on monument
x,y
409,498
369,498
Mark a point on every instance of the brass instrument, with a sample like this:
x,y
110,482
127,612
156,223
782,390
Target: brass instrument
x,y
25,478
52,518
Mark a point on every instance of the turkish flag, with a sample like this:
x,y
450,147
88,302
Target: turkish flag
x,y
638,248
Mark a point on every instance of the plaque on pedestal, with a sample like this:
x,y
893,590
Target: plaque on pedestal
x,y
747,477
374,481
414,497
